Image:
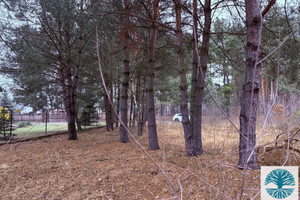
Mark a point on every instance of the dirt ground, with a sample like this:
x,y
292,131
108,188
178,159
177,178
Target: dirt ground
x,y
98,166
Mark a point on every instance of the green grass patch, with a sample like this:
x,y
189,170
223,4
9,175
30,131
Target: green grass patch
x,y
93,125
39,129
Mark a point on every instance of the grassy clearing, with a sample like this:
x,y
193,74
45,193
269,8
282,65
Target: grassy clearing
x,y
38,129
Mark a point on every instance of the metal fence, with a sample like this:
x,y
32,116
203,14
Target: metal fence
x,y
49,117
6,123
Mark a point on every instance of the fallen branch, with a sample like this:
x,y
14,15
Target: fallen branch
x,y
268,149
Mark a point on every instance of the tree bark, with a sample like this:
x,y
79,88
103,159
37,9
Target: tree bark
x,y
79,57
195,70
78,121
131,109
190,151
72,86
153,141
263,94
251,86
137,97
162,109
143,111
125,81
108,113
111,114
197,135
68,84
173,111
118,99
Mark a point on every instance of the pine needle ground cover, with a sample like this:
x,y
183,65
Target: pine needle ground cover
x,y
98,166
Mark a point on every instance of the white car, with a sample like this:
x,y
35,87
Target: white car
x,y
177,117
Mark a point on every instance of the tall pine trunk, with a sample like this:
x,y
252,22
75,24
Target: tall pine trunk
x,y
125,81
79,57
251,86
195,70
124,98
197,134
134,112
72,133
131,109
72,86
153,141
118,99
138,102
143,110
67,81
69,100
78,123
108,78
108,111
111,116
190,151
193,110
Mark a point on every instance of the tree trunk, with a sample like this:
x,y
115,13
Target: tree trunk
x,y
131,109
153,141
190,151
78,121
71,107
197,136
108,113
195,71
111,97
138,102
79,57
123,102
133,112
72,133
194,109
173,111
237,84
125,81
118,100
68,84
263,94
250,96
162,110
107,106
143,112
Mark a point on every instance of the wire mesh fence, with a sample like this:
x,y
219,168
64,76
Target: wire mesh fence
x,y
15,125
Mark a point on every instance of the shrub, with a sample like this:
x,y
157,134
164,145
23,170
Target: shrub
x,y
24,124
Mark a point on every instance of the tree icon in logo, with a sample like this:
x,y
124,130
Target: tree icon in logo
x,y
281,178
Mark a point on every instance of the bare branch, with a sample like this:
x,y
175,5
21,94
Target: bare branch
x,y
128,131
268,7
136,16
278,47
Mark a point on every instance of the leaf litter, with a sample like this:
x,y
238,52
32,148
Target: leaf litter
x,y
98,166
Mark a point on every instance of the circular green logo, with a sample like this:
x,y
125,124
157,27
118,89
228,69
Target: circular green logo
x,y
282,179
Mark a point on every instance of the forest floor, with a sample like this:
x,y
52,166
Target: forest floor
x,y
98,166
